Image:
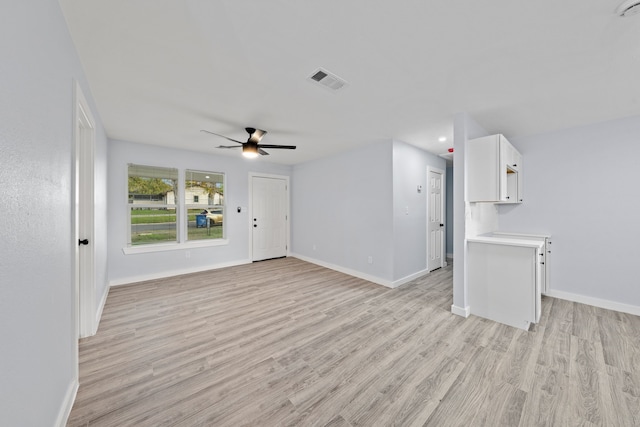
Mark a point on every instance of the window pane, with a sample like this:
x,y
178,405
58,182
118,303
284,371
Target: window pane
x,y
204,200
152,185
153,225
152,201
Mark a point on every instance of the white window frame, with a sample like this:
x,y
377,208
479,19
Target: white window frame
x,y
188,206
181,207
175,206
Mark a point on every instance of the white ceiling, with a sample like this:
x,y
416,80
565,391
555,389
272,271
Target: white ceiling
x,y
161,70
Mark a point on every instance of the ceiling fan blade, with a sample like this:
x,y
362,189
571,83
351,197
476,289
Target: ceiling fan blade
x,y
261,151
288,147
222,136
255,135
229,146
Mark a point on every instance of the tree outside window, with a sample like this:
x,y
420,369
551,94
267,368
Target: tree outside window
x,y
152,204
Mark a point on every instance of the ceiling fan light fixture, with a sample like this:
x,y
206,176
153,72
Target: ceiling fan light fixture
x,y
629,8
250,151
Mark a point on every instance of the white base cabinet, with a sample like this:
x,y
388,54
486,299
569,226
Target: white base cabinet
x,y
505,278
545,256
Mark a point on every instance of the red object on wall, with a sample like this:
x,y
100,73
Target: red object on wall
x,y
451,150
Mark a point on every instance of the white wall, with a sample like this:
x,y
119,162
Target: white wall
x,y
39,65
581,185
352,206
410,231
342,205
464,128
134,267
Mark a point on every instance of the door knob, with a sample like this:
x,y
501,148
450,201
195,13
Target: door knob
x,y
441,225
83,242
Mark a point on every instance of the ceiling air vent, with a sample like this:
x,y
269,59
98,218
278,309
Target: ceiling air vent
x,y
327,79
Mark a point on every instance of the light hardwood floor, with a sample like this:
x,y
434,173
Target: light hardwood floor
x,y
285,342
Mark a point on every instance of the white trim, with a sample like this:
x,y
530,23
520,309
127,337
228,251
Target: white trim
x,y
443,238
409,278
172,273
67,403
596,302
350,272
286,178
460,311
163,247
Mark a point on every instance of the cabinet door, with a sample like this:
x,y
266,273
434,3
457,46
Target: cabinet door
x,y
511,173
502,283
515,161
506,183
482,169
520,179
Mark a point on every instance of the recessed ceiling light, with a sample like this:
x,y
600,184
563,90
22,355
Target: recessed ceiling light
x,y
628,8
442,139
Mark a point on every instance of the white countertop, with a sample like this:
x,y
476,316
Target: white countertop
x,y
511,240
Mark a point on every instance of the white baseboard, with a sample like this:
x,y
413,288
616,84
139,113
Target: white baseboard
x,y
172,273
408,278
460,311
596,302
67,404
361,275
103,301
350,272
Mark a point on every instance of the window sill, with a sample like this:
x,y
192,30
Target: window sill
x,y
164,247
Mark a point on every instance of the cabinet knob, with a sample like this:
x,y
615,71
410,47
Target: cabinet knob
x,y
515,166
542,263
507,197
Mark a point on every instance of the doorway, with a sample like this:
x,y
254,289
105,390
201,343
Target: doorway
x,y
435,219
269,216
83,241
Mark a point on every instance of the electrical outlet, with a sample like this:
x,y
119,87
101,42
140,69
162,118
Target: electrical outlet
x,y
187,254
370,259
314,247
406,210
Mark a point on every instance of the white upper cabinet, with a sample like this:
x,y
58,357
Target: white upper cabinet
x,y
493,170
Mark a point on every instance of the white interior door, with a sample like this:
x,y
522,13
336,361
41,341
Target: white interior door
x,y
84,135
436,220
269,217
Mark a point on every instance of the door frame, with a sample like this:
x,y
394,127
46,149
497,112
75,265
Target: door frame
x,y
84,137
286,178
443,238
